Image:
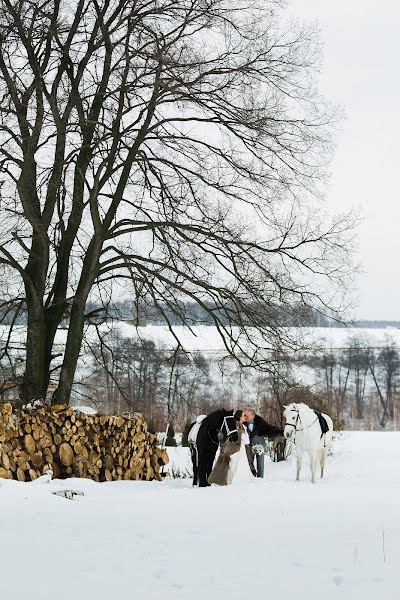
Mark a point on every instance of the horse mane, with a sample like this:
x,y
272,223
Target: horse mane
x,y
299,405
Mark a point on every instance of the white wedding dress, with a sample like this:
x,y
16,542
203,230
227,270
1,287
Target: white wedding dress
x,y
239,469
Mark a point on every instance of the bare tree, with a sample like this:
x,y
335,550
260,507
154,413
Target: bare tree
x,y
175,145
385,370
358,360
130,372
136,375
277,388
189,386
338,369
327,362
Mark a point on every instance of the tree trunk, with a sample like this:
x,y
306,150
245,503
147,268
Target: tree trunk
x,y
36,376
77,321
72,350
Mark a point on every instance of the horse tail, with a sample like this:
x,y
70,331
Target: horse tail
x,y
326,435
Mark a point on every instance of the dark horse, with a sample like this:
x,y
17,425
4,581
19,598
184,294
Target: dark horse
x,y
205,435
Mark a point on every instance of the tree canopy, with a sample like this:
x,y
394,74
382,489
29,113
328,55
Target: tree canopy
x,y
169,149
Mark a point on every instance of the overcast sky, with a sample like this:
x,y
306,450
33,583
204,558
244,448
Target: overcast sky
x,y
361,72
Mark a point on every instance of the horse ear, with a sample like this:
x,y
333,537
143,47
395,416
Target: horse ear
x,y
284,407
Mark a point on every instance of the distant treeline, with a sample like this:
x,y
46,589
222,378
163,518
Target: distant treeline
x,y
190,313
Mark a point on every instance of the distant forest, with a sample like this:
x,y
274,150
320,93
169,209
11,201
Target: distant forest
x,y
190,313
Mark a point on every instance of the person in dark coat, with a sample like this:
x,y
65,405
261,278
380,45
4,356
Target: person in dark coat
x,y
259,430
215,427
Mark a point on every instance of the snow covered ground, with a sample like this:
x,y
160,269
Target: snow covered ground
x,y
167,541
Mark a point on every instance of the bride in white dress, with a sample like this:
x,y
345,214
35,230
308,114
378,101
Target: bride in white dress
x,y
239,468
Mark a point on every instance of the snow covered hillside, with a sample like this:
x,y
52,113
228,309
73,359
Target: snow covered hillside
x,y
167,541
207,339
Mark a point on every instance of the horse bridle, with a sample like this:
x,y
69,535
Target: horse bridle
x,y
299,419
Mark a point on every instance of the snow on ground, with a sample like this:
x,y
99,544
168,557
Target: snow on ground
x,y
87,410
168,541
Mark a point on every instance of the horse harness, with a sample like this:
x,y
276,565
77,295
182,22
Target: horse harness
x,y
220,435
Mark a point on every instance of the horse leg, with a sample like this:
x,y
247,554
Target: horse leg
x,y
323,456
203,444
207,450
298,463
193,453
203,467
313,464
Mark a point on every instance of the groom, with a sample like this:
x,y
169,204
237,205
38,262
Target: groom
x,y
258,430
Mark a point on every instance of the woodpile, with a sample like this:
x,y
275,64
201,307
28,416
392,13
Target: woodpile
x,y
99,447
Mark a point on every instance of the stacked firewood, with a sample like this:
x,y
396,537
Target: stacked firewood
x,y
75,444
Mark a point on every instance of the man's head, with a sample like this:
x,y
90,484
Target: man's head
x,y
249,415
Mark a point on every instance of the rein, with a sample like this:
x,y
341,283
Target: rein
x,y
212,439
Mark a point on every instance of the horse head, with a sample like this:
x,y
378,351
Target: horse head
x,y
291,414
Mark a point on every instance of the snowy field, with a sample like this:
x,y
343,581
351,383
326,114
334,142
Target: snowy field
x,y
167,541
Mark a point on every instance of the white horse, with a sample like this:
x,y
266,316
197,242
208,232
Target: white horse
x,y
304,430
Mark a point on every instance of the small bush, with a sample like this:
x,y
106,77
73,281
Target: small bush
x,y
171,436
